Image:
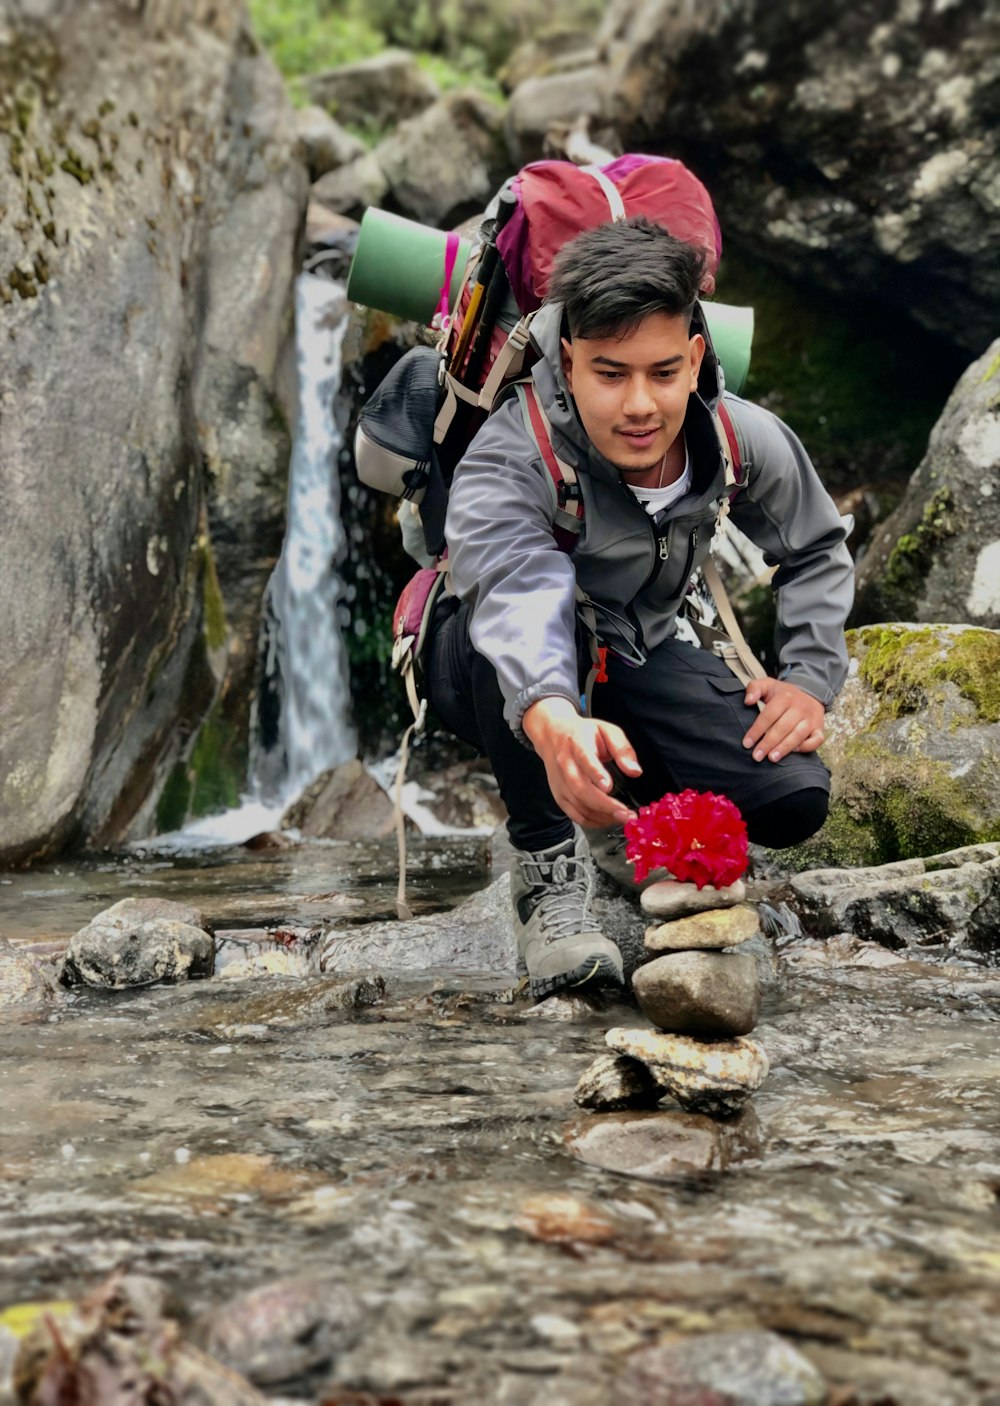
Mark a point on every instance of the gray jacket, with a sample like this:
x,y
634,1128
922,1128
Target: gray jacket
x,y
523,588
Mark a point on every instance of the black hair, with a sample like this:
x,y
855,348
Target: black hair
x,y
613,276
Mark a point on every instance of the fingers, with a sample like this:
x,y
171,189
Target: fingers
x,y
614,746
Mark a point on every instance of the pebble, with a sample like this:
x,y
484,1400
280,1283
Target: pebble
x,y
669,898
700,993
714,1077
564,1219
721,927
278,1332
749,1368
614,1082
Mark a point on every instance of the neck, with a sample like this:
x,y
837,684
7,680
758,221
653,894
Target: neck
x,y
661,475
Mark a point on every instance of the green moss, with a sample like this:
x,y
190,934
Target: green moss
x,y
215,609
913,555
216,768
905,666
74,165
991,370
172,807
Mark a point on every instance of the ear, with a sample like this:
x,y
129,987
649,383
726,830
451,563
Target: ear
x,y
566,358
696,347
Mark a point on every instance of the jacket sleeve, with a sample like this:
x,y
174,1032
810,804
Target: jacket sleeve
x,y
504,560
788,513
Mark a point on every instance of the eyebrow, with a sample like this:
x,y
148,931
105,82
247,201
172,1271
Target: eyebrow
x,y
623,365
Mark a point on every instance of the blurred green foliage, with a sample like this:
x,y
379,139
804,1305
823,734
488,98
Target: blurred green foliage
x,y
457,41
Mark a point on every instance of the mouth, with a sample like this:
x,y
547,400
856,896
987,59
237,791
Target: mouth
x,y
640,439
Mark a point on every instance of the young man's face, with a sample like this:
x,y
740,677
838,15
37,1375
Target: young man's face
x,y
632,392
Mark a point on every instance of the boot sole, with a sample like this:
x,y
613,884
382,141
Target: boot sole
x,y
590,975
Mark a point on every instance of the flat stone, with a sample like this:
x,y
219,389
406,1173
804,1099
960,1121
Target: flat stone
x,y
721,927
660,1143
715,1077
700,993
720,1369
614,1082
669,898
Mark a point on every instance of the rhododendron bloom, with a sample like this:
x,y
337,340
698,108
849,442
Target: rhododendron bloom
x,y
697,836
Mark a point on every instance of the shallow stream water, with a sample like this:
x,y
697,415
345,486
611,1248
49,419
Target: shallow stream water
x,y
225,1134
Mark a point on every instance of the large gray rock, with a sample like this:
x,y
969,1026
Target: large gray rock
x,y
445,165
913,745
700,993
345,803
950,900
325,144
720,1369
854,145
549,104
937,557
477,936
375,93
149,205
137,943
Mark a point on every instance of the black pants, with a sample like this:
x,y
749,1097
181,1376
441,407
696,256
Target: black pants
x,y
682,711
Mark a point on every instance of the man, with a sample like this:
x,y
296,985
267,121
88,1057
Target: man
x,y
629,388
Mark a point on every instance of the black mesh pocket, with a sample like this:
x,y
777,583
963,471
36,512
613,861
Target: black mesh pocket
x,y
399,417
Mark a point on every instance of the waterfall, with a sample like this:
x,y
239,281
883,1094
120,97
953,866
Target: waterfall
x,y
300,722
308,663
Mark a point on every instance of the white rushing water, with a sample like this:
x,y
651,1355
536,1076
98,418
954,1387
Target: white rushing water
x,y
315,729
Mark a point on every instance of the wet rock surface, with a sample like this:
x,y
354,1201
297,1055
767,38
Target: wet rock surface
x,y
728,1369
715,1077
723,927
614,1082
237,1135
700,993
663,1143
24,980
285,1330
669,899
949,900
137,943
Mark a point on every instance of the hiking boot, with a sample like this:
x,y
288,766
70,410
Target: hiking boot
x,y
554,924
607,849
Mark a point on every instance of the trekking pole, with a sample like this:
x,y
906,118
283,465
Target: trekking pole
x,y
476,315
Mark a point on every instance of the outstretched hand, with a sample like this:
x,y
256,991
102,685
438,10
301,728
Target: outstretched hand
x,y
575,750
790,721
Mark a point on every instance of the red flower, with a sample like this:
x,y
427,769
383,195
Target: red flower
x,y
696,836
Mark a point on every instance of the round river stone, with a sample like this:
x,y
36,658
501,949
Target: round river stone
x,y
700,993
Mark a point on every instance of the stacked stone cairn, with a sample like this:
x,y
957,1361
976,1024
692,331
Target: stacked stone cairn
x,y
702,997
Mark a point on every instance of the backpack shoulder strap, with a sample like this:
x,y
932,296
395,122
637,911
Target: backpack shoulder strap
x,y
568,521
736,465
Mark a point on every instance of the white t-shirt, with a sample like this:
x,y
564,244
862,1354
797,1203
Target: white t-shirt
x,y
654,500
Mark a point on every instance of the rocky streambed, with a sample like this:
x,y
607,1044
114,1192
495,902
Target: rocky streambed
x,y
398,1177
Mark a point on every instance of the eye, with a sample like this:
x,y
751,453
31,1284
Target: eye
x,y
610,375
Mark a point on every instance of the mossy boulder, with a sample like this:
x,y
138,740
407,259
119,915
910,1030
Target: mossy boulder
x,y
913,747
937,557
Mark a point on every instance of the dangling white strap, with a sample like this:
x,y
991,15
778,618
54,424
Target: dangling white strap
x,y
510,359
611,192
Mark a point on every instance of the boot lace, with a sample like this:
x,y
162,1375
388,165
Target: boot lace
x,y
564,888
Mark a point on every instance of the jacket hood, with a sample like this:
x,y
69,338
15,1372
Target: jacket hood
x,y
546,332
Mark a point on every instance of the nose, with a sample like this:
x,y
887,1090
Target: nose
x,y
638,400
